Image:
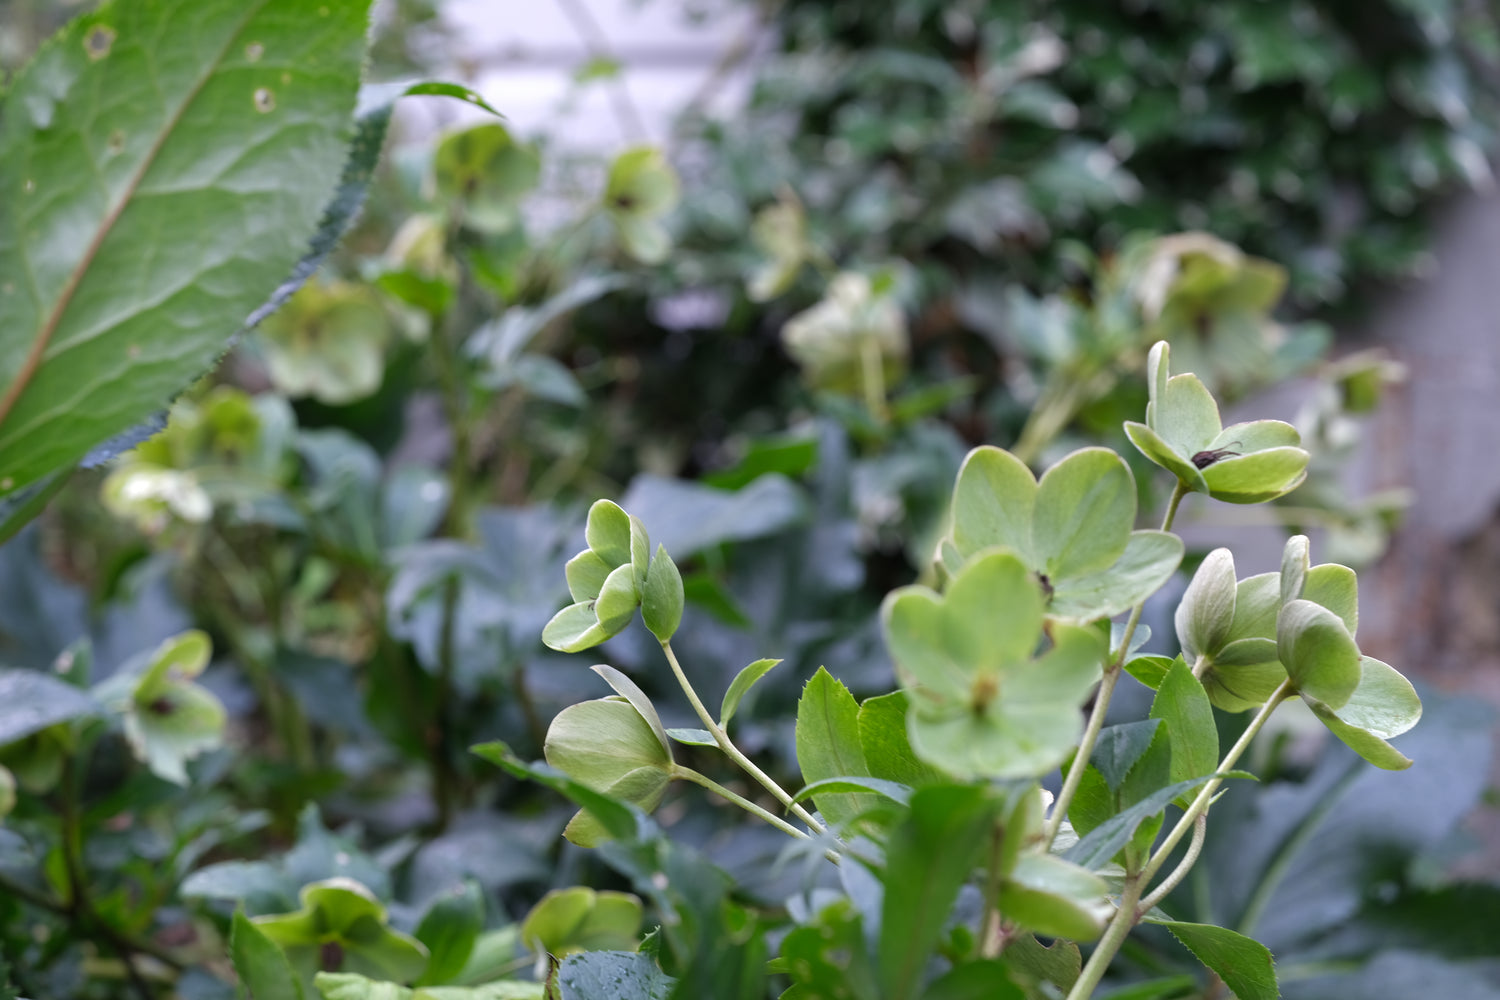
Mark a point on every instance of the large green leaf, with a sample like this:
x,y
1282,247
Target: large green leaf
x,y
31,701
620,975
449,929
166,164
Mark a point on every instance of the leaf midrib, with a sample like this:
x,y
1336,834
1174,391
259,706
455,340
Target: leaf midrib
x,y
49,326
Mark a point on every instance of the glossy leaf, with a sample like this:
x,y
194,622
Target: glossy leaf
x,y
619,975
828,743
740,686
162,187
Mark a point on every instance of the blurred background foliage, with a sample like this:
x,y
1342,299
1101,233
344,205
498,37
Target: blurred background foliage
x,y
936,223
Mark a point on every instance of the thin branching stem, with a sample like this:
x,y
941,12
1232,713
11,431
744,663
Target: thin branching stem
x,y
733,752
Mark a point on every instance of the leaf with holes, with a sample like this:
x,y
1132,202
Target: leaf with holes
x,y
164,164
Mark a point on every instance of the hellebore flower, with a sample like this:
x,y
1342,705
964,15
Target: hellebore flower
x,y
1073,529
981,705
615,746
484,173
342,917
1246,638
1244,463
610,579
327,342
641,191
858,318
168,719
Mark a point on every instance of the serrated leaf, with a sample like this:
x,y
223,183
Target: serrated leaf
x,y
1245,965
164,182
740,686
1150,669
1119,747
828,742
1104,841
887,748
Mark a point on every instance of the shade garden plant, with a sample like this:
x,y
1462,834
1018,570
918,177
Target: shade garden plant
x,y
281,625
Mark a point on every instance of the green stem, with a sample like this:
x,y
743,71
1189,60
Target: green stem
x,y
1200,665
1172,881
1101,700
678,771
1114,936
444,778
732,751
872,379
1081,759
1205,795
992,933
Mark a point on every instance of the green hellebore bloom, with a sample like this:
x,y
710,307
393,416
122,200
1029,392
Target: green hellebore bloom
x,y
168,719
484,173
641,191
342,913
780,232
1073,529
981,705
1232,625
327,342
831,339
613,747
1245,463
610,579
566,921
